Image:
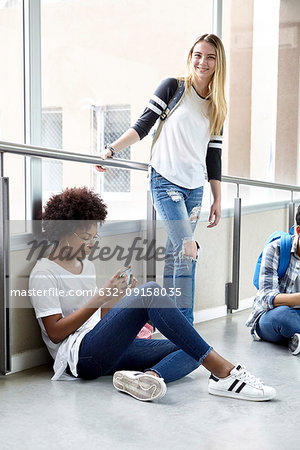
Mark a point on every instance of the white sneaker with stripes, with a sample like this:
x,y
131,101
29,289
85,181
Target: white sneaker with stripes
x,y
240,384
294,344
140,385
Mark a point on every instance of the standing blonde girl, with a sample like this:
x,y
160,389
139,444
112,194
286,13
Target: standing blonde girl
x,y
192,110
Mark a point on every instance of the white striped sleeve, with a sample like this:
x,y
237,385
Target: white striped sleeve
x,y
154,108
159,101
214,158
216,142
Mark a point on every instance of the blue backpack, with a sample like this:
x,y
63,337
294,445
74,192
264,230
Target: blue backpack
x,y
284,257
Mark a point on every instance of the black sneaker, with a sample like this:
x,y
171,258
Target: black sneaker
x,y
294,344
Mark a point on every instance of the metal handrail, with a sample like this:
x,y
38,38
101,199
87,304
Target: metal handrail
x,y
4,278
45,152
259,183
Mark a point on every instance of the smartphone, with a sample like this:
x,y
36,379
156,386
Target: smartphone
x,y
128,273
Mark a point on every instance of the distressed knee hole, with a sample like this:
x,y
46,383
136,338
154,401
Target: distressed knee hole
x,y
195,214
174,195
189,249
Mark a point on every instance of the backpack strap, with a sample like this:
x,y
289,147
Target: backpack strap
x,y
257,271
292,230
172,105
285,254
174,101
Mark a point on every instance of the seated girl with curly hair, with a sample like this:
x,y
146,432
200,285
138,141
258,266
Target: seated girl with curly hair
x,y
85,346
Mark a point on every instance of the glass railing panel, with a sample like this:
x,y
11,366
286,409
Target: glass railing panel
x,y
258,222
14,169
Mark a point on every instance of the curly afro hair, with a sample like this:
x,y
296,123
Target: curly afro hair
x,y
73,209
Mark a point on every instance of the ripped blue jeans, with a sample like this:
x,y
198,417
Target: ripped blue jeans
x,y
179,209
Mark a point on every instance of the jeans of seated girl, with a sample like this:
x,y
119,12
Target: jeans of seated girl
x,y
179,209
279,324
112,345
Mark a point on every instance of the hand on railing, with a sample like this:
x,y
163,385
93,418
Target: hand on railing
x,y
103,155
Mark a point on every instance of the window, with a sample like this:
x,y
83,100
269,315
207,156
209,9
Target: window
x,y
10,3
81,67
263,47
111,122
52,174
12,101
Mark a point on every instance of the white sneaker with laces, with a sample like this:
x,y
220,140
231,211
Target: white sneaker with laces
x,y
240,384
140,385
294,344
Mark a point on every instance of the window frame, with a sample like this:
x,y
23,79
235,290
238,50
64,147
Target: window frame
x,y
33,110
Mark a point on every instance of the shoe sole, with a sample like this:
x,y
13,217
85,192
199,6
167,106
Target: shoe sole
x,y
240,396
143,387
294,345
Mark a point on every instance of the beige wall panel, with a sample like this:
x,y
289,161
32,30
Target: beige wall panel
x,y
25,331
214,267
288,101
240,86
256,228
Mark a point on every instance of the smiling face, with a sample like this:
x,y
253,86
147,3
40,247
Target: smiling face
x,y
203,60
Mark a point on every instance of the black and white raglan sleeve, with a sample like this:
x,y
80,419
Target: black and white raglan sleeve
x,y
214,158
157,104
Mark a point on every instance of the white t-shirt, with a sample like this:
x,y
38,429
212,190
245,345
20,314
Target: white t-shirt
x,y
180,152
55,290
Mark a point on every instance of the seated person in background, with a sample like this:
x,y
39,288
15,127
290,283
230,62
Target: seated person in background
x,y
275,315
86,346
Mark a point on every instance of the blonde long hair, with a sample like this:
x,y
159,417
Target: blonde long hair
x,y
216,95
